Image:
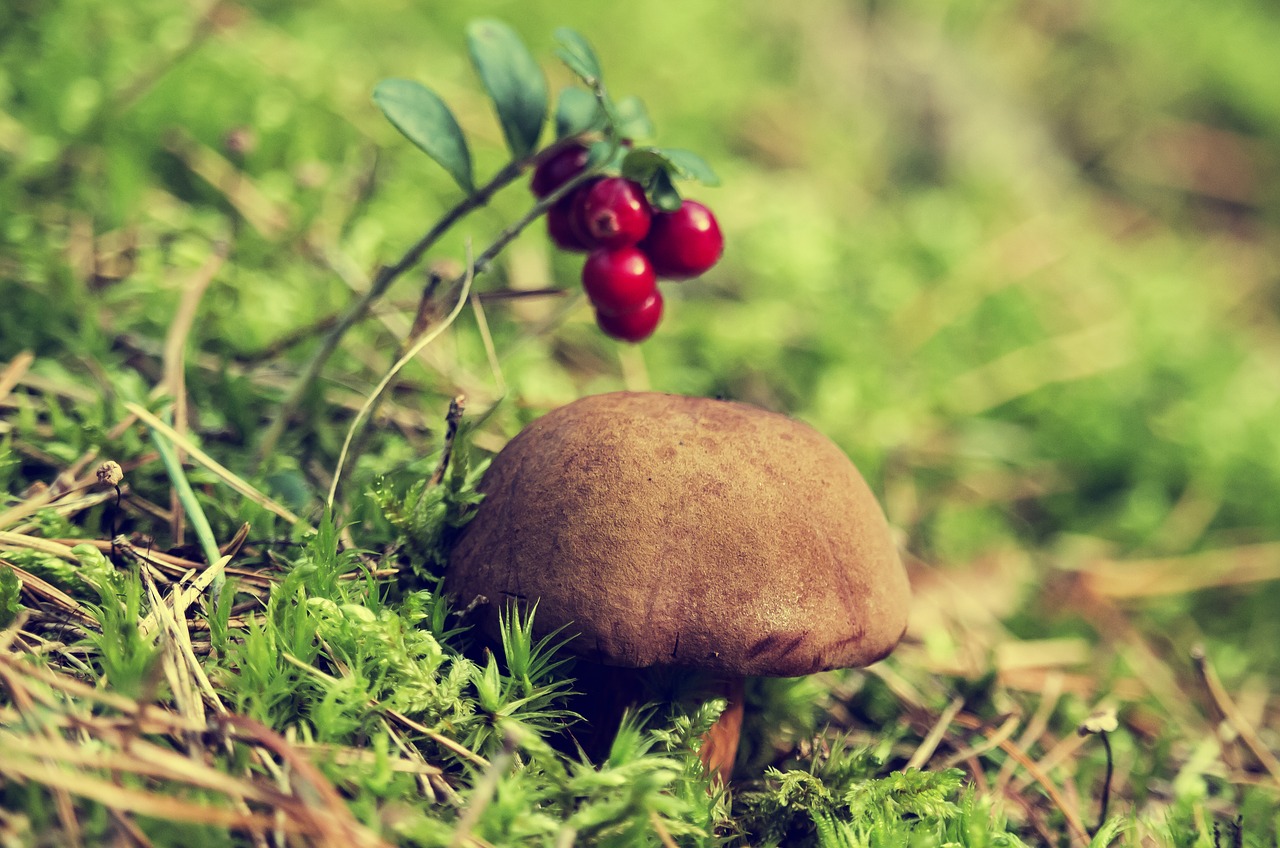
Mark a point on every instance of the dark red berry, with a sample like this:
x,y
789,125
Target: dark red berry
x,y
558,168
576,201
635,326
618,281
615,212
684,243
564,221
560,225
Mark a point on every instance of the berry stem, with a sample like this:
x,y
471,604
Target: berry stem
x,y
387,274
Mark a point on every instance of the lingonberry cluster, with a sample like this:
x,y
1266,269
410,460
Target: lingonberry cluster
x,y
629,244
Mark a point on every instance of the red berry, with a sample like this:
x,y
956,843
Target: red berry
x,y
618,281
635,326
564,221
684,243
579,224
561,228
615,212
558,168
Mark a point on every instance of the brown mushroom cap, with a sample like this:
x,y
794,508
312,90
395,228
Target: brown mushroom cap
x,y
677,531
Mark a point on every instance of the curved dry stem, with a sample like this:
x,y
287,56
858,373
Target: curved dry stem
x,y
389,273
414,349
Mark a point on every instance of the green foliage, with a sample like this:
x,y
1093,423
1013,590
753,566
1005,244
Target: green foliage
x,y
126,658
906,794
397,662
577,111
840,803
513,80
518,90
425,120
530,691
1111,830
426,516
10,591
578,55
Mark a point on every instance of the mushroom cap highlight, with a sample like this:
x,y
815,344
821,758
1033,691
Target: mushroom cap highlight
x,y
678,531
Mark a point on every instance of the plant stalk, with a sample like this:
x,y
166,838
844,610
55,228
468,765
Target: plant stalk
x,y
388,274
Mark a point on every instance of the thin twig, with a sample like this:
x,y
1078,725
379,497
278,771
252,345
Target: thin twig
x,y
382,281
438,738
1035,728
939,729
664,835
1074,823
12,373
452,420
414,349
1227,706
228,477
490,352
990,742
26,707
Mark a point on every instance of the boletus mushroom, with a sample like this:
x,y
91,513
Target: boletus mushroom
x,y
682,532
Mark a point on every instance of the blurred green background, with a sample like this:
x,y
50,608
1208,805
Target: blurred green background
x,y
1018,258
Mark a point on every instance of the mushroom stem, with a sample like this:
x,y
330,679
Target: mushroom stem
x,y
720,743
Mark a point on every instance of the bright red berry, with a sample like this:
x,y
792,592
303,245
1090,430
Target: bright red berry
x,y
615,212
635,326
618,281
684,243
558,168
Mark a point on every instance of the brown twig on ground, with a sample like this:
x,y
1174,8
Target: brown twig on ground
x,y
1231,713
930,742
452,421
13,372
130,774
1074,823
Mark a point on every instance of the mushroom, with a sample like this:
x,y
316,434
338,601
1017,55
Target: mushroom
x,y
682,532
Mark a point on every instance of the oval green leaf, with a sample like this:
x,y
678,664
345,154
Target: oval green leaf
x,y
662,192
688,165
650,169
641,163
633,119
575,51
425,120
513,79
577,111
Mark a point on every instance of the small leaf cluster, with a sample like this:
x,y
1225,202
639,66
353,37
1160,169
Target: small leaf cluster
x,y
425,517
517,88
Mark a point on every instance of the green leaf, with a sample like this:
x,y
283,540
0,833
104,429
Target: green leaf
x,y
423,117
632,118
642,162
651,169
1109,832
605,155
513,79
662,192
689,166
577,111
575,51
